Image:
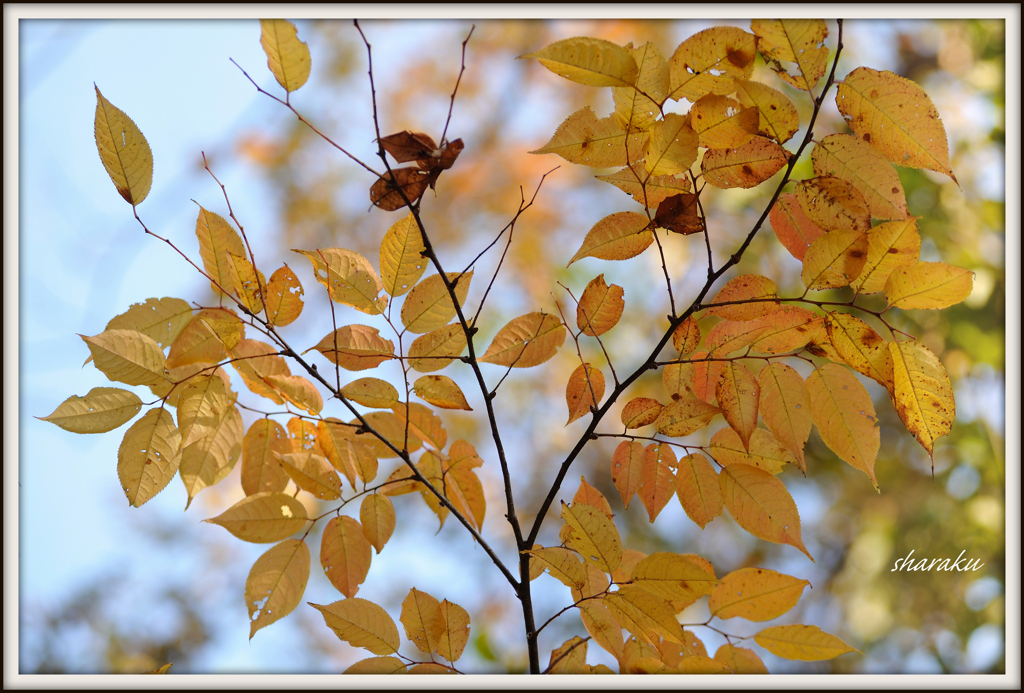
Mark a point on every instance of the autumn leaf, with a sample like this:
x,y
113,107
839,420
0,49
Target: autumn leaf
x,y
777,116
891,245
254,361
124,151
345,554
298,391
371,392
148,456
263,518
792,226
429,306
686,337
386,193
643,614
283,297
646,189
896,117
401,256
261,472
218,240
526,341
287,56
362,623
408,146
593,535
163,319
356,347
127,356
808,643
601,626
698,489
708,62
208,461
456,632
376,665
740,660
349,278
723,123
590,61
746,166
441,391
680,214
201,405
834,259
569,658
834,204
601,143
845,417
764,451
276,583
658,481
313,473
588,495
638,107
561,563
785,406
249,283
619,236
800,41
600,307
671,147
756,594
640,411
922,394
761,505
584,391
208,338
673,577
860,346
102,409
857,162
423,620
685,416
738,392
436,350
422,423
628,469
751,296
377,517
929,285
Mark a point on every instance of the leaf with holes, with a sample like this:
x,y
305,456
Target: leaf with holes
x,y
276,583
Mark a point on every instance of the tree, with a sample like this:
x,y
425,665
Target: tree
x,y
741,141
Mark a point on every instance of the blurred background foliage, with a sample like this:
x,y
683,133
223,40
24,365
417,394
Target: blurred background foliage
x,y
928,622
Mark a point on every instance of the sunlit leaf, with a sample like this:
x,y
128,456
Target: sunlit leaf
x,y
619,236
423,620
102,410
588,495
254,361
349,278
371,392
891,245
834,259
456,632
646,189
698,489
250,286
208,461
202,403
377,516
857,162
276,583
422,423
792,226
283,297
673,577
600,307
163,319
722,123
436,350
761,505
787,329
297,390
362,623
922,394
263,518
777,116
148,456
756,594
127,356
750,295
658,480
261,472
401,256
808,643
356,347
707,62
561,563
601,626
375,665
569,658
584,391
860,346
896,117
218,240
207,338
637,107
429,306
800,41
845,416
593,535
740,660
644,614
124,151
834,204
685,416
345,554
628,469
287,56
640,411
745,166
526,341
590,61
765,452
671,147
785,407
387,192
686,337
928,285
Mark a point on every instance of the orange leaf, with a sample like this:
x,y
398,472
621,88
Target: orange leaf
x,y
738,392
723,123
686,337
441,391
658,483
261,471
526,341
588,495
362,623
345,554
845,417
698,489
276,583
377,517
313,473
284,297
628,469
619,236
456,633
778,118
860,164
792,226
740,660
640,411
744,166
765,452
761,505
600,307
786,407
356,347
583,391
423,620
756,594
685,416
835,259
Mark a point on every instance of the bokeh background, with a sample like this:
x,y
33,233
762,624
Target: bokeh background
x,y
105,588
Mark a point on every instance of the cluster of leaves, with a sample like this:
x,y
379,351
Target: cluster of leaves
x,y
730,358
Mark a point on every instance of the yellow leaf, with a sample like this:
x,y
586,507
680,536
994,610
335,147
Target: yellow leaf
x,y
583,139
745,166
740,660
637,107
377,515
102,410
761,505
163,319
287,56
298,391
436,350
590,61
673,577
423,621
441,391
422,422
352,458
835,259
217,242
127,356
588,495
792,226
701,664
756,594
526,341
671,147
628,469
254,361
261,472
678,381
738,393
375,665
362,623
658,480
593,535
808,643
148,456
429,306
860,164
201,405
619,236
845,417
283,297
561,563
313,473
788,329
356,347
648,190
698,489
466,493
345,555
263,518
685,416
569,658
785,407
896,117
583,391
599,308
686,337
393,430
708,61
922,394
371,392
124,151
860,346
208,461
161,670
722,123
891,244
401,256
644,614
304,435
765,452
456,632
727,337
207,338
349,277
602,627
800,41
834,204
248,282
928,285
777,116
640,411
276,583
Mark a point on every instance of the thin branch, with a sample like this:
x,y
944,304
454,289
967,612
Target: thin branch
x,y
462,70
